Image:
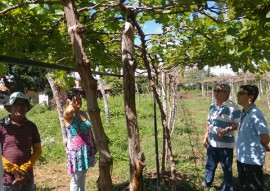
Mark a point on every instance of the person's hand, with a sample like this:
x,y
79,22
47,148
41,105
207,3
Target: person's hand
x,y
207,126
71,102
75,102
20,177
205,140
221,133
68,101
234,127
267,148
226,130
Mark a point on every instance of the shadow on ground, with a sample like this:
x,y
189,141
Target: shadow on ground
x,y
150,184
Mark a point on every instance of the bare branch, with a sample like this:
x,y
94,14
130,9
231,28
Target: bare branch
x,y
11,8
14,7
211,17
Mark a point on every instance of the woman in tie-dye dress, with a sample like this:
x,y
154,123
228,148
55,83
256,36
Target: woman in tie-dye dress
x,y
80,145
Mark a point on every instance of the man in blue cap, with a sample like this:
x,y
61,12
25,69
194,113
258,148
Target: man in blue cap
x,y
21,145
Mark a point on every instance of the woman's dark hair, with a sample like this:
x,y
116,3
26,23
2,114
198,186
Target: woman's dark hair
x,y
74,93
251,90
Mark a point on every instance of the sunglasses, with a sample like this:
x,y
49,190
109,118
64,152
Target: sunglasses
x,y
218,91
241,93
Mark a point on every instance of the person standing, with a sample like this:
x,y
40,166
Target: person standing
x,y
21,145
223,119
80,145
252,140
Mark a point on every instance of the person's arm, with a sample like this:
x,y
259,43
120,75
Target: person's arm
x,y
9,166
233,127
70,110
205,140
265,139
34,157
20,175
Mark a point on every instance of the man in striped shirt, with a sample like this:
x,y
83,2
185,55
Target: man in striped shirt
x,y
21,146
223,119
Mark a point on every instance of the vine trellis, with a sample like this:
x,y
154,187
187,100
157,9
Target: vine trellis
x,y
262,81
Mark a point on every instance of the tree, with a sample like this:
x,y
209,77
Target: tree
x,y
89,85
137,159
28,78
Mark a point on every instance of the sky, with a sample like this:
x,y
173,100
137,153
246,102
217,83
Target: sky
x,y
149,27
220,70
152,27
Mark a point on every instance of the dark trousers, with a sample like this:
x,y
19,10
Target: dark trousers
x,y
250,177
28,186
224,156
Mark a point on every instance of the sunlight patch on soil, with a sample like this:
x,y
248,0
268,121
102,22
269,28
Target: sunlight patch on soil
x,y
54,177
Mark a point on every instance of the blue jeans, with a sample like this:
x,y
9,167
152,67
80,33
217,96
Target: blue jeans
x,y
28,186
213,157
77,182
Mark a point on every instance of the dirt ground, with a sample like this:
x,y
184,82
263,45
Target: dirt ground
x,y
54,177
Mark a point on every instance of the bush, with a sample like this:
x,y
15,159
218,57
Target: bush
x,y
38,109
49,128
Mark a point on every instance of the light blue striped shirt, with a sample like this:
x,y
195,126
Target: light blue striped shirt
x,y
249,149
220,117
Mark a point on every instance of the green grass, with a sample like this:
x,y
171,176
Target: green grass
x,y
186,140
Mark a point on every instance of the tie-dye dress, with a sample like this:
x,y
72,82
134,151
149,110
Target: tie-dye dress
x,y
80,147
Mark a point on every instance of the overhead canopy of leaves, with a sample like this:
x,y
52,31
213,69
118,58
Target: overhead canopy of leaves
x,y
194,32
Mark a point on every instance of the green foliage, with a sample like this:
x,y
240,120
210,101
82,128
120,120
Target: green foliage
x,y
3,69
191,79
145,105
64,80
116,85
117,142
38,109
142,83
3,113
117,112
50,131
194,33
28,78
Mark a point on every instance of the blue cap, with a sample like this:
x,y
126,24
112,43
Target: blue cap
x,y
12,99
